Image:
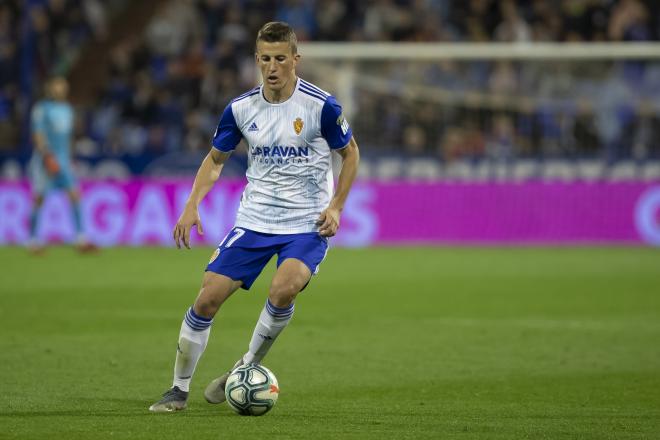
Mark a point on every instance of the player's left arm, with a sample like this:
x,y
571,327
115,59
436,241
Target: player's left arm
x,y
329,218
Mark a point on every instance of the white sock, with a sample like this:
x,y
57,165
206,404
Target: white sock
x,y
194,335
270,324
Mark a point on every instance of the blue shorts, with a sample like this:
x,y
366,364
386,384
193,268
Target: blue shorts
x,y
243,253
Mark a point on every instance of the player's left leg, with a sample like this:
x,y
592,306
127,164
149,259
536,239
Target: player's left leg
x,y
82,243
298,258
291,277
297,261
289,280
74,199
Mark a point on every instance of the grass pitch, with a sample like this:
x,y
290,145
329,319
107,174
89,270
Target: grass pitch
x,y
399,343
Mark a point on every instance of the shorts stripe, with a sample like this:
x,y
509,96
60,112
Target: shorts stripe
x,y
325,254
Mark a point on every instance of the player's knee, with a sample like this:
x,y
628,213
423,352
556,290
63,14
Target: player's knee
x,y
208,302
283,292
214,292
207,307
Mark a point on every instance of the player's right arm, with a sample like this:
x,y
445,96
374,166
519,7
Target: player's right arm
x,y
225,139
40,140
38,129
40,143
207,174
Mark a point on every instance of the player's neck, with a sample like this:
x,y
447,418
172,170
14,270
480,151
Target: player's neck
x,y
281,95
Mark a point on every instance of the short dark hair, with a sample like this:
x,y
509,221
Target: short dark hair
x,y
278,31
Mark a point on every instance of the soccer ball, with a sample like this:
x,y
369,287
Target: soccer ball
x,y
252,390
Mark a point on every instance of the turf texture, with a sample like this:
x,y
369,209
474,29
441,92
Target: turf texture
x,y
398,343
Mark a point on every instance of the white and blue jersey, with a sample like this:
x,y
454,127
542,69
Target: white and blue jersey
x,y
54,121
289,162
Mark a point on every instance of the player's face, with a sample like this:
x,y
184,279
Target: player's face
x,y
277,63
59,89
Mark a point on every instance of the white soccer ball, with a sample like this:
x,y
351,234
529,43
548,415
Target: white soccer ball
x,y
252,390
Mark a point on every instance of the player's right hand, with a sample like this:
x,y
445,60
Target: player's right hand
x,y
188,219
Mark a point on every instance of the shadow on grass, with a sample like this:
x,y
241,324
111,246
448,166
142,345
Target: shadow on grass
x,y
117,407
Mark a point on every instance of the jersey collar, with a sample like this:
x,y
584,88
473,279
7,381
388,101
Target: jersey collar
x,y
263,97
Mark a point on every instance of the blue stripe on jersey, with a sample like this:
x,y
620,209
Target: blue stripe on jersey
x,y
252,90
322,98
245,95
227,135
311,90
313,87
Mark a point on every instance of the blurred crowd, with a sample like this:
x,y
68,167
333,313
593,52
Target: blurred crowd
x,y
504,110
167,84
39,38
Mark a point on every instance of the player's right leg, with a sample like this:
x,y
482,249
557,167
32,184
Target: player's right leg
x,y
242,256
40,185
193,337
35,245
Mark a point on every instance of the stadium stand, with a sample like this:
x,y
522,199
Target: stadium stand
x,y
166,80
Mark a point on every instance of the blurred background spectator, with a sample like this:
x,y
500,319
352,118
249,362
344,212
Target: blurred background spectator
x,y
150,79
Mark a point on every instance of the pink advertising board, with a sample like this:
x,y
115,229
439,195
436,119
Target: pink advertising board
x,y
142,212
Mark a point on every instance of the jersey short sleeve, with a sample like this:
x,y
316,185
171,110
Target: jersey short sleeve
x,y
38,119
227,135
334,127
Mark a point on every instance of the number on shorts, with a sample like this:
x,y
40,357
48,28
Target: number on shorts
x,y
238,233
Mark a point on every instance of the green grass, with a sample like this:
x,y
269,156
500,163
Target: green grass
x,y
398,343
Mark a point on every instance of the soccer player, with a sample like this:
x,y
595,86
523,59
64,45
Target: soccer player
x,y
288,208
50,165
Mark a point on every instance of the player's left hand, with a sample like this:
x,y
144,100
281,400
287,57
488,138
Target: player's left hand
x,y
328,222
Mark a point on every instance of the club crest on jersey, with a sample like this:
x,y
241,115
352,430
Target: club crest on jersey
x,y
298,125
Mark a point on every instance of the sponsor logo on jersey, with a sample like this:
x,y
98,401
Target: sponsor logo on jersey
x,y
253,127
280,154
298,125
343,123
